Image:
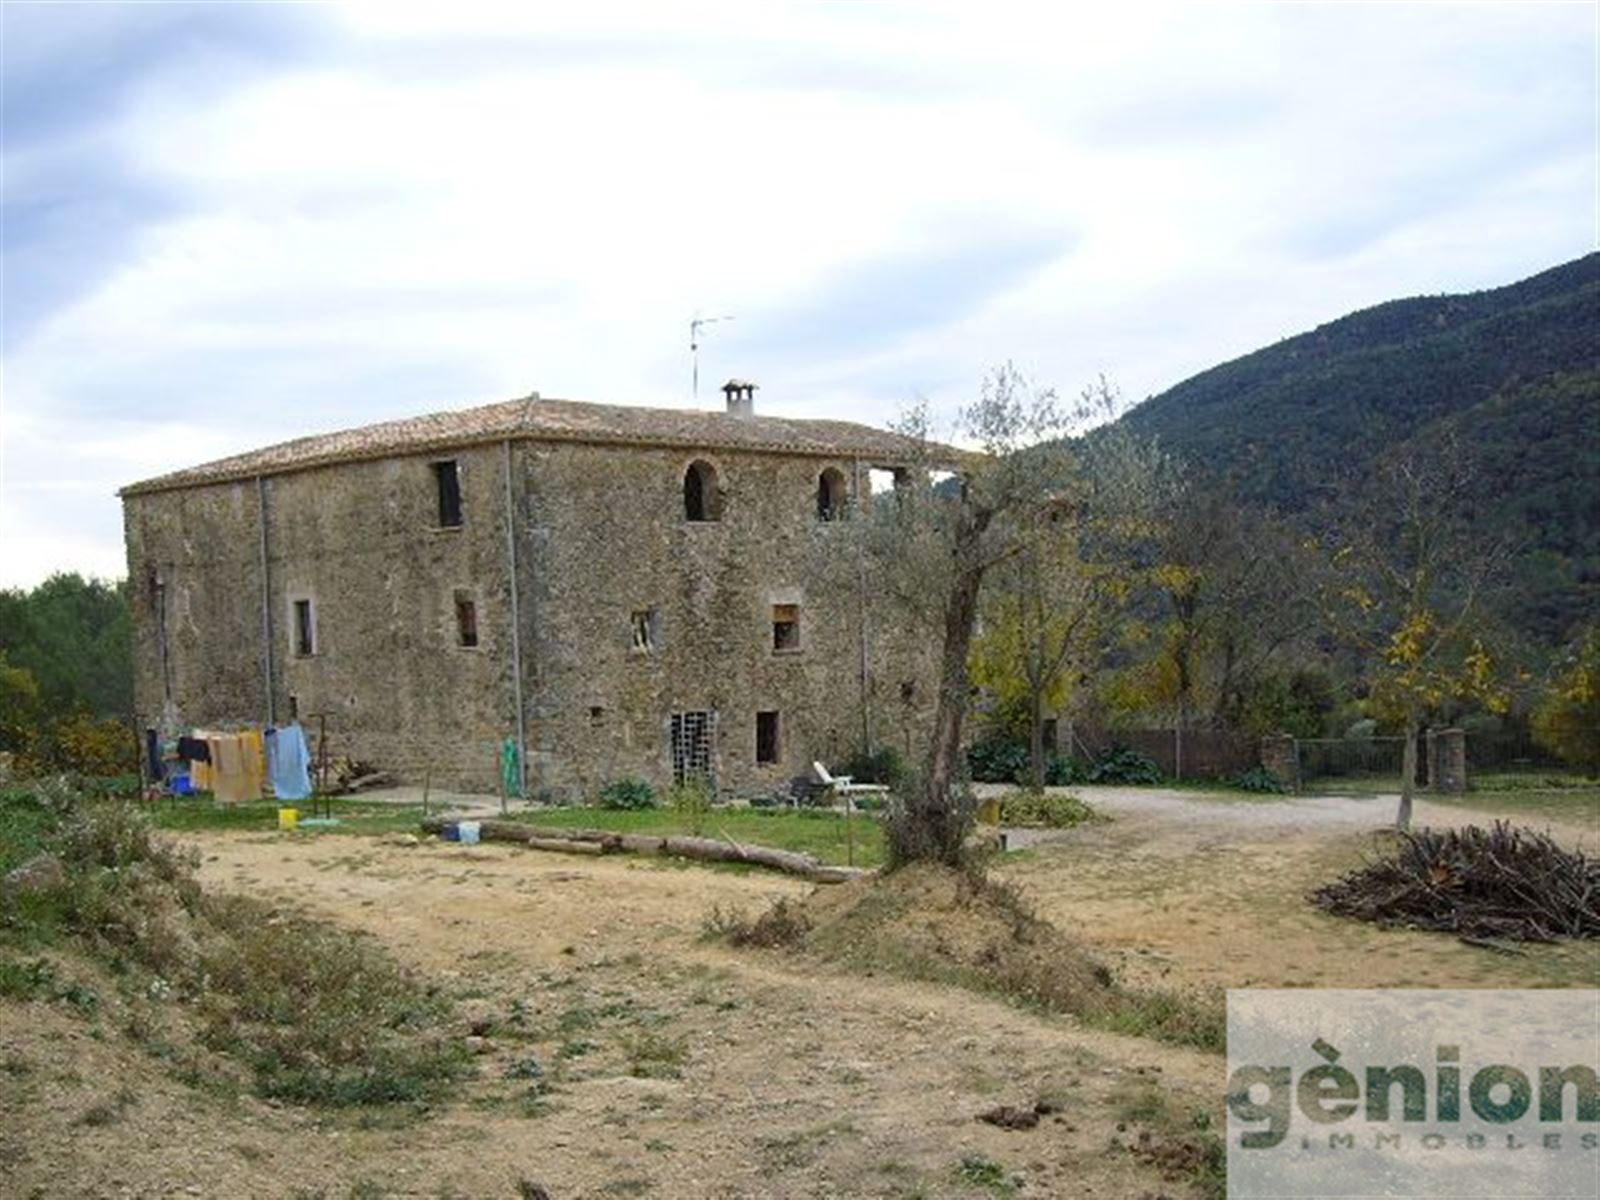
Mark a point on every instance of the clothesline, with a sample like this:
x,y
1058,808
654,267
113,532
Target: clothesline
x,y
235,766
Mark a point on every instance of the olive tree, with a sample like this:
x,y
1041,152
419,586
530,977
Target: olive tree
x,y
1008,492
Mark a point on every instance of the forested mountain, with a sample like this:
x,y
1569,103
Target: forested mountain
x,y
1514,373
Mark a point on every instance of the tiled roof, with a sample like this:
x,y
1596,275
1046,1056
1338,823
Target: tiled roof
x,y
551,420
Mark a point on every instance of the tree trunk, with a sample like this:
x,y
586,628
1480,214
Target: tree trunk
x,y
1408,770
938,822
1036,739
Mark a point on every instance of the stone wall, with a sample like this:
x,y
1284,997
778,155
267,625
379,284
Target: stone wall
x,y
600,533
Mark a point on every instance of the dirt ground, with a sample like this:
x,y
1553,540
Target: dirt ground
x,y
1209,891
624,1055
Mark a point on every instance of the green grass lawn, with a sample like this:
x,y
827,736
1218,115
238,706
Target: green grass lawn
x,y
818,833
1530,794
189,813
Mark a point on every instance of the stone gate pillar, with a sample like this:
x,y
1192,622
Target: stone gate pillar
x,y
1280,754
1448,760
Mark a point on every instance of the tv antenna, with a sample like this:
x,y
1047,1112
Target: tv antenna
x,y
694,344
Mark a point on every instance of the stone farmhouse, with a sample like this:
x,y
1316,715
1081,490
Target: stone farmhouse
x,y
620,591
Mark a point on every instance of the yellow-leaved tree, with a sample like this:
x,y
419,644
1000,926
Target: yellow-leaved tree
x,y
1405,589
1567,719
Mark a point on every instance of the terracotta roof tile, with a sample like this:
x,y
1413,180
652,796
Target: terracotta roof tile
x,y
538,419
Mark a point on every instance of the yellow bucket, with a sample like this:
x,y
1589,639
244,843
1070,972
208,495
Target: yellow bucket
x,y
288,819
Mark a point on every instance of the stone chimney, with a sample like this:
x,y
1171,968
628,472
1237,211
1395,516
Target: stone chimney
x,y
741,398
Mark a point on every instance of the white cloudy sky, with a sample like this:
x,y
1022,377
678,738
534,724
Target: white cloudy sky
x,y
229,224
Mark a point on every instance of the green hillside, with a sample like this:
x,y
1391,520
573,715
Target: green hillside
x,y
1515,372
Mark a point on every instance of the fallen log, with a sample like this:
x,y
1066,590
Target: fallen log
x,y
601,841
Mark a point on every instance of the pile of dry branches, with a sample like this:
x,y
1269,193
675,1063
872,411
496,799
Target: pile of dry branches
x,y
1500,883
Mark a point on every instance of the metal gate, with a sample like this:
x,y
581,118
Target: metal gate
x,y
694,741
1361,764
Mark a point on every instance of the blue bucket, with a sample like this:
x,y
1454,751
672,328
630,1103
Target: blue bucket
x,y
450,833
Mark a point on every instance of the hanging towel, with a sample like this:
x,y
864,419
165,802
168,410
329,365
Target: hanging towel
x,y
255,764
289,763
236,775
510,769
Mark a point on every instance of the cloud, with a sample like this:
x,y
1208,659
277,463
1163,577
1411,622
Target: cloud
x,y
230,224
870,305
76,199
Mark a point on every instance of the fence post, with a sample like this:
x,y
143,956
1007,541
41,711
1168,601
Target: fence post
x,y
1280,754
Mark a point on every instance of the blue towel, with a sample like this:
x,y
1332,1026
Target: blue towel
x,y
289,763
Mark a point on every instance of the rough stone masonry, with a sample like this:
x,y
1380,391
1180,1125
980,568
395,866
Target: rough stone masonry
x,y
621,591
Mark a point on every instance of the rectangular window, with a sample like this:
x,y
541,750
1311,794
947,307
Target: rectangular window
x,y
786,627
1050,733
766,738
466,619
448,479
305,629
646,629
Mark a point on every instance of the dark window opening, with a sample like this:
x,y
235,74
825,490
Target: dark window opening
x,y
1049,733
466,619
305,629
597,714
830,495
786,627
294,707
448,479
702,498
766,738
646,629
693,735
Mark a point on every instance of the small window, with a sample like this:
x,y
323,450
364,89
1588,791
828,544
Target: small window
x,y
646,629
305,629
1050,733
702,498
766,738
466,619
597,714
830,495
786,627
448,479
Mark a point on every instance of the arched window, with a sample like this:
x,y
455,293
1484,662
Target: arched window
x,y
702,498
830,495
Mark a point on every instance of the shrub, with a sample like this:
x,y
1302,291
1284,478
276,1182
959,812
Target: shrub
x,y
884,765
1024,807
1121,765
1063,771
1258,779
629,795
783,924
319,1016
691,800
998,760
93,746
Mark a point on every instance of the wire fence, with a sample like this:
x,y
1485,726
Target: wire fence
x,y
1330,762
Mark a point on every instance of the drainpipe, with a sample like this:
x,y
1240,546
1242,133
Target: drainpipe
x,y
861,604
266,602
516,628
